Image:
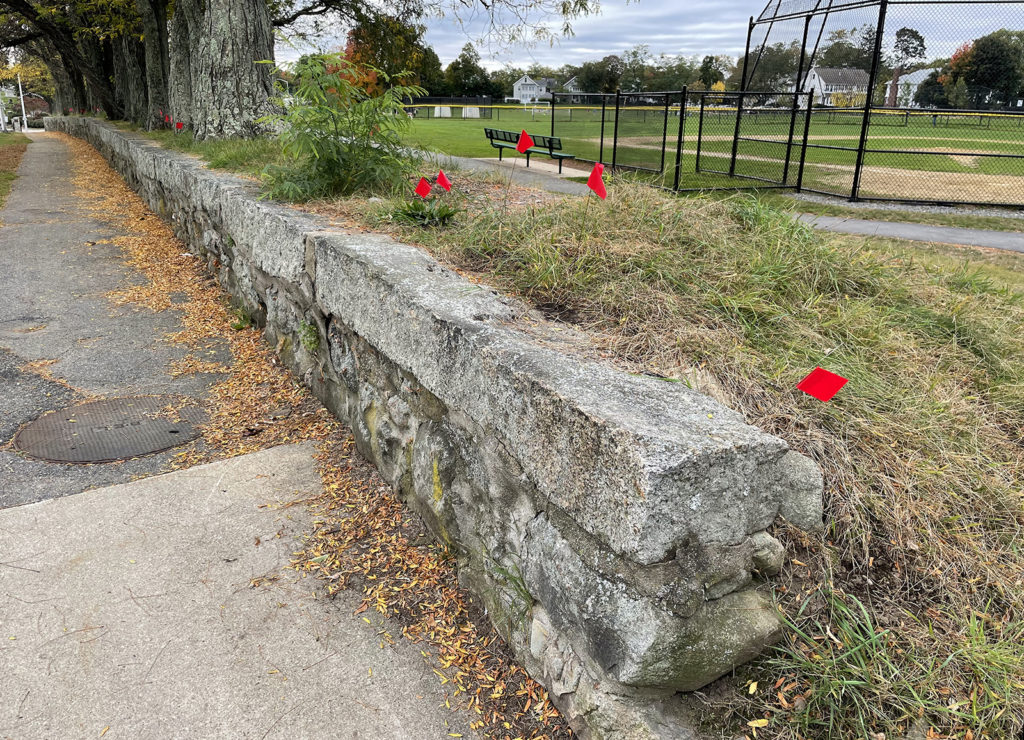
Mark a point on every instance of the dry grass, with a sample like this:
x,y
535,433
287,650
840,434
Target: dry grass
x,y
12,146
923,452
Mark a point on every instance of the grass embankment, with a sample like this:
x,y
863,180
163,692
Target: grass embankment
x,y
243,156
911,611
12,146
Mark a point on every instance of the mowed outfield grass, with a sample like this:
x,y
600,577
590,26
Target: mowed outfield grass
x,y
946,147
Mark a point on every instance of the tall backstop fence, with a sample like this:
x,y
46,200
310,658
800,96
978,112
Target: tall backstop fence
x,y
901,100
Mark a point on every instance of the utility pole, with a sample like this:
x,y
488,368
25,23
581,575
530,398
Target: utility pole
x,y
21,94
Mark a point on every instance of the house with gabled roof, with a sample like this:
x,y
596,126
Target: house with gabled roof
x,y
832,85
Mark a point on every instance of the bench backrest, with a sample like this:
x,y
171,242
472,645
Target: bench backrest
x,y
551,143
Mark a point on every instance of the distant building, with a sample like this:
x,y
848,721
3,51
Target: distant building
x,y
528,90
837,85
903,88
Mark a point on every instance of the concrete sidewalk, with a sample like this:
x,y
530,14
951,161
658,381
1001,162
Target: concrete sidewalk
x,y
1007,240
163,609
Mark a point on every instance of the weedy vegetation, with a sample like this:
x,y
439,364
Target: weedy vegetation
x,y
910,612
426,212
338,134
12,146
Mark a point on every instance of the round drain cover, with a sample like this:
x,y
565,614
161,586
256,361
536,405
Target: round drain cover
x,y
110,430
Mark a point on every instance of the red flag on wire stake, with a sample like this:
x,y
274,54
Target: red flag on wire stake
x,y
525,142
423,187
596,182
167,119
443,181
179,125
822,384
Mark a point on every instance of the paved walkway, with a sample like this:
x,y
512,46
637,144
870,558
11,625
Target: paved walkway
x,y
162,609
57,266
918,232
159,608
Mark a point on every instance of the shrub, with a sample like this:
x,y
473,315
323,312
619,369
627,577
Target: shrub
x,y
431,212
336,137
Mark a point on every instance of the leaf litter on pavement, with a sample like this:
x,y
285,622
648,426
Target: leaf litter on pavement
x,y
364,538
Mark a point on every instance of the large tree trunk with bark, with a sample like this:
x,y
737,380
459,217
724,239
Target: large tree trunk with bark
x,y
222,44
184,25
130,78
154,37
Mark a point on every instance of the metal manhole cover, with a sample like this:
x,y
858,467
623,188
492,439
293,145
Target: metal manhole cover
x,y
110,430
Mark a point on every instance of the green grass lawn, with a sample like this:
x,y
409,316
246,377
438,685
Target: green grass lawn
x,y
11,148
955,151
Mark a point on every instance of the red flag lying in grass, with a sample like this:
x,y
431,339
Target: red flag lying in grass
x,y
822,384
596,183
423,187
525,142
443,181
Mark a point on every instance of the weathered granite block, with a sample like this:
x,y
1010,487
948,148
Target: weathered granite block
x,y
614,526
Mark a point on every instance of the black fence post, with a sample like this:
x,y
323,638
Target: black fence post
x,y
866,123
604,110
679,140
553,98
796,103
746,55
736,135
700,129
664,135
803,149
615,130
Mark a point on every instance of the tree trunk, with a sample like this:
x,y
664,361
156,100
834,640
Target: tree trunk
x,y
154,36
130,78
184,25
229,90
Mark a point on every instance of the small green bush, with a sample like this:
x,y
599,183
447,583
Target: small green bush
x,y
430,212
337,137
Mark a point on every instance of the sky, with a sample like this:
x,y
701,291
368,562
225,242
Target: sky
x,y
667,26
697,27
694,28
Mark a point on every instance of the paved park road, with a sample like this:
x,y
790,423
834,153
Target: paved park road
x,y
160,608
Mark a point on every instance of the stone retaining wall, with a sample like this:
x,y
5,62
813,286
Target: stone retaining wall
x,y
614,526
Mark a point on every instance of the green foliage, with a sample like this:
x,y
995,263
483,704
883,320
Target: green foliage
x,y
242,319
855,677
309,337
430,212
336,137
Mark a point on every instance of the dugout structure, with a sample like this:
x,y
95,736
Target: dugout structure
x,y
876,137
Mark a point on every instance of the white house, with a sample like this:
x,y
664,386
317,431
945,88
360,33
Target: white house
x,y
528,90
832,83
572,85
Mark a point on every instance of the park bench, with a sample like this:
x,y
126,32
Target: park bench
x,y
549,145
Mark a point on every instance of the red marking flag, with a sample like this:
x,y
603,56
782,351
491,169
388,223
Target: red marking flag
x,y
525,142
179,125
596,182
443,181
822,384
423,187
167,119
